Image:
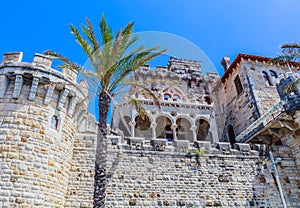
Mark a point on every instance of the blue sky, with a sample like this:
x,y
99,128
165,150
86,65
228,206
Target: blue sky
x,y
219,27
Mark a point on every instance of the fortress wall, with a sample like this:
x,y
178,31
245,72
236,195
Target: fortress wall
x,y
81,180
221,177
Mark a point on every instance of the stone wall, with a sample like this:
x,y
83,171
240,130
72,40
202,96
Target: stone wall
x,y
81,181
221,177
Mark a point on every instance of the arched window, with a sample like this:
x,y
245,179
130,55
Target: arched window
x,y
266,78
54,122
176,97
273,76
167,96
231,134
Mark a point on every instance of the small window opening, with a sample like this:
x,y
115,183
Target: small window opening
x,y
54,122
238,85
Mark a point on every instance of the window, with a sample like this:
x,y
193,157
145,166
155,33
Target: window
x,y
266,78
167,96
273,76
176,97
238,85
54,122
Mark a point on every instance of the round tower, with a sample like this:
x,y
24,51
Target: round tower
x,y
39,111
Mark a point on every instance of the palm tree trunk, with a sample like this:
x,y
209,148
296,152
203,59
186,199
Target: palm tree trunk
x,y
100,162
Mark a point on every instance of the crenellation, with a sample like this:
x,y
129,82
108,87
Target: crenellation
x,y
70,73
12,57
42,60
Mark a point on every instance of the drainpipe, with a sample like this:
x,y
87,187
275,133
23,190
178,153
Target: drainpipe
x,y
277,180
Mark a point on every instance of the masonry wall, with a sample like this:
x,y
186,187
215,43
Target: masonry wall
x,y
216,179
81,180
239,110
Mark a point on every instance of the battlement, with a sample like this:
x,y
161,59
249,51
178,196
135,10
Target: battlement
x,y
38,82
185,147
39,61
186,61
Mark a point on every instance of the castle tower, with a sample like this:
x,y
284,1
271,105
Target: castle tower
x,y
40,112
247,101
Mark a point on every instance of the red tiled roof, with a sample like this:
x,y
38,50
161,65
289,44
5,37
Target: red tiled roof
x,y
241,56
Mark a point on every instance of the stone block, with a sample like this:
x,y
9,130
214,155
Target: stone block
x,y
159,144
114,139
181,145
243,148
42,60
202,144
224,147
12,57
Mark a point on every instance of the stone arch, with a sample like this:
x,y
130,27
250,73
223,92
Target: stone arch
x,y
174,91
203,130
124,125
187,117
164,128
183,130
166,115
143,127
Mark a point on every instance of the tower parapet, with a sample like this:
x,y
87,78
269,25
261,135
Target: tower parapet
x,y
40,111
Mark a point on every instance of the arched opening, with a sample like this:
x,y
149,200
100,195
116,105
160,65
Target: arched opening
x,y
273,77
163,128
124,126
175,98
167,96
266,78
183,130
203,130
231,134
142,127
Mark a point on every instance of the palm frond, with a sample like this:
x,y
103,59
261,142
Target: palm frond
x,y
140,109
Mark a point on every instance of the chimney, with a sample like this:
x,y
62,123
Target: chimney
x,y
225,62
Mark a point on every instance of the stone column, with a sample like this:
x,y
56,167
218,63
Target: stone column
x,y
173,127
193,129
132,125
153,127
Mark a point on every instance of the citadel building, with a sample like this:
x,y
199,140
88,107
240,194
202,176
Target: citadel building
x,y
207,145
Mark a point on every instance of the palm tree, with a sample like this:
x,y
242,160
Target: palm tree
x,y
112,64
